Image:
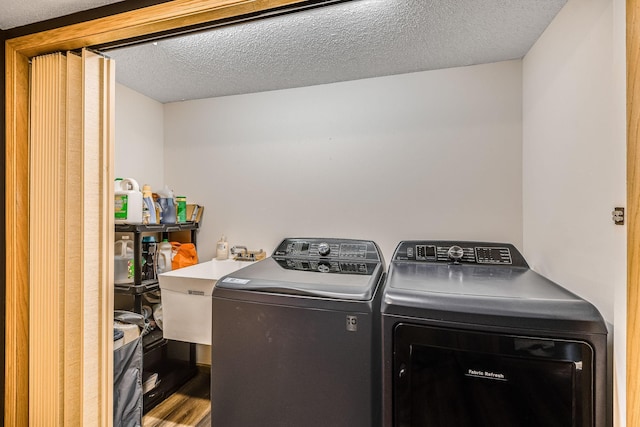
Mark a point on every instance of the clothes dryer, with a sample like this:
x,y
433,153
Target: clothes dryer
x,y
473,337
295,339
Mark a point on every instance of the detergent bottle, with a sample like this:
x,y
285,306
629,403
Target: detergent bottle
x,y
123,265
149,204
167,206
163,262
128,201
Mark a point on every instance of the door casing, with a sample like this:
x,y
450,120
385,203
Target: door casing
x,y
170,16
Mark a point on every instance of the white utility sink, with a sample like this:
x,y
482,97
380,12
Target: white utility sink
x,y
186,299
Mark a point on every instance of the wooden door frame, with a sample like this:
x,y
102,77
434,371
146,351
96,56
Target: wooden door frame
x,y
183,13
164,17
633,210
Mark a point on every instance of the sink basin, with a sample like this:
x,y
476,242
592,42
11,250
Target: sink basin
x,y
211,270
186,299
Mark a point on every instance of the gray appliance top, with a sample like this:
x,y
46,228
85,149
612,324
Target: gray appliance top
x,y
344,269
480,283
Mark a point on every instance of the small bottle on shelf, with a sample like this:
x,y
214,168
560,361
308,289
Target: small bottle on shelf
x,y
222,249
163,261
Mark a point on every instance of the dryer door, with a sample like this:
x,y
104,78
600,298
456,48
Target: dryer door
x,y
448,377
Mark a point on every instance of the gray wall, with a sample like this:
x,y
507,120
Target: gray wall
x,y
425,155
574,171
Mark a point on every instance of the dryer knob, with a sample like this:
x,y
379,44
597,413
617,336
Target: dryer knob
x,y
455,253
324,249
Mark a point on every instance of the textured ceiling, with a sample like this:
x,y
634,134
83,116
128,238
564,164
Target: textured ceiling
x,y
346,41
15,13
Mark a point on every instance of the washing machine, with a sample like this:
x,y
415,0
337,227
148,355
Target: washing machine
x,y
472,337
295,337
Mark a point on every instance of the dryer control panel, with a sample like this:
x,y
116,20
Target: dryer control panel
x,y
459,252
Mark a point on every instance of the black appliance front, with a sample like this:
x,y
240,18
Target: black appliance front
x,y
472,337
293,338
281,365
490,380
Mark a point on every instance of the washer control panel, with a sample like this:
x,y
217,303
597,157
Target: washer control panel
x,y
327,266
344,256
328,248
459,252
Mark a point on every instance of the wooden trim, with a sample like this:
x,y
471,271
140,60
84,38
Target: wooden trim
x,y
633,212
154,19
159,18
17,241
106,201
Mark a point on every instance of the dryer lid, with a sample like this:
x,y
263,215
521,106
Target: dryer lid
x,y
469,281
484,283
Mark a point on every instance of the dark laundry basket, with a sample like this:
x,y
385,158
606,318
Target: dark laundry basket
x,y
127,383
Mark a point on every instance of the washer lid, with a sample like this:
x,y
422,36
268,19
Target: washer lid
x,y
269,275
348,270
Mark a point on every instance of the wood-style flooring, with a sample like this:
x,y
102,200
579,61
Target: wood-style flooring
x,y
190,406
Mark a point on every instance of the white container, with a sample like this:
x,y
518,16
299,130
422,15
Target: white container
x,y
186,299
222,249
163,261
123,265
127,202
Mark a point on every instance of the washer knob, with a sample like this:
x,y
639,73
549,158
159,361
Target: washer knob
x,y
324,267
324,249
455,253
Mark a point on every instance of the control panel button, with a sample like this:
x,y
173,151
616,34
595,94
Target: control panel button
x,y
455,253
424,252
493,255
324,249
324,267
